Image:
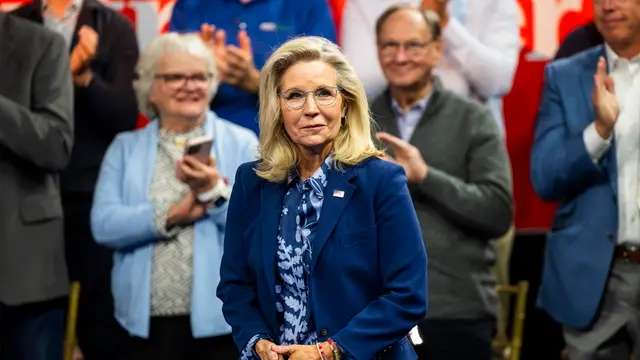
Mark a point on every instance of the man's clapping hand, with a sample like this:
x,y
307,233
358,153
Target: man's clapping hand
x,y
440,7
604,100
82,55
407,156
235,63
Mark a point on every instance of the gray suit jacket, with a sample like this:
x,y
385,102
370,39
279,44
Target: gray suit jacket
x,y
464,202
36,134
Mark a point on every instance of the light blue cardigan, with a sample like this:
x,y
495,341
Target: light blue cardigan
x,y
122,219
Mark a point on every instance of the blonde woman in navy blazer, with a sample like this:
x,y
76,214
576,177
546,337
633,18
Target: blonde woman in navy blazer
x,y
323,255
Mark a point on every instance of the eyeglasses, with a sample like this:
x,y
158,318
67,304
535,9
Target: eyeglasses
x,y
411,48
296,99
177,80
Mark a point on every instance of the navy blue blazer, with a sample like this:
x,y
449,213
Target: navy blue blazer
x,y
580,245
368,282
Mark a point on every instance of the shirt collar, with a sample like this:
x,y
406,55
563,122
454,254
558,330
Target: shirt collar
x,y
73,7
613,60
418,105
323,169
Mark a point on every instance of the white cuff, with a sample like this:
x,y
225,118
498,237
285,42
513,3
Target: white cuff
x,y
221,190
454,35
596,146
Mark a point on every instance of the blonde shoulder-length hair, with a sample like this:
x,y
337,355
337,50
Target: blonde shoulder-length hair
x,y
354,143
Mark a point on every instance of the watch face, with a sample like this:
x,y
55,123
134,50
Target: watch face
x,y
221,200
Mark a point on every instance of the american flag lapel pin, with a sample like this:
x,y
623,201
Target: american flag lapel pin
x,y
338,193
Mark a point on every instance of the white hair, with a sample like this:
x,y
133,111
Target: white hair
x,y
151,55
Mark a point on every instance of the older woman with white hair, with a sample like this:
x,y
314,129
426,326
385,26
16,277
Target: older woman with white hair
x,y
163,209
324,257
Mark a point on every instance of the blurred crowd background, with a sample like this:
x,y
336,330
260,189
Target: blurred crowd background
x,y
495,52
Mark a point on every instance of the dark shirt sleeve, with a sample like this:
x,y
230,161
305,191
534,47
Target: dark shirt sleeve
x,y
183,18
316,19
110,94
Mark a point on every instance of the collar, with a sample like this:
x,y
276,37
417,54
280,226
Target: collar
x,y
418,105
208,126
73,6
322,170
613,60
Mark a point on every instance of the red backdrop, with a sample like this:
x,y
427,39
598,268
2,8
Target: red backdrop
x,y
521,105
543,23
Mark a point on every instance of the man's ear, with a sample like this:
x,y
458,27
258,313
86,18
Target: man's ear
x,y
436,52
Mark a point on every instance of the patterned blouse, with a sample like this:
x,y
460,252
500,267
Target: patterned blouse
x,y
172,267
301,209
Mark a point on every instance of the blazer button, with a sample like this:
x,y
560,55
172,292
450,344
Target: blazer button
x,y
324,332
610,235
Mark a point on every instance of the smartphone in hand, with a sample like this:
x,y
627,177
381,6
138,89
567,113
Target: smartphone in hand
x,y
199,147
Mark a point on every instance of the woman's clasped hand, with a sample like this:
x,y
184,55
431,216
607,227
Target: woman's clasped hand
x,y
270,351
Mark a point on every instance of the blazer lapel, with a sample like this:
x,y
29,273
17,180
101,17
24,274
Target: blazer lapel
x,y
29,11
385,116
85,17
589,69
140,165
211,129
270,209
149,145
609,162
336,198
433,106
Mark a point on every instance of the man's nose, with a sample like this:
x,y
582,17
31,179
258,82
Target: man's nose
x,y
607,5
401,55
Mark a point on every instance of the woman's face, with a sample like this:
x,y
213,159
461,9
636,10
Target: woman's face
x,y
181,85
312,106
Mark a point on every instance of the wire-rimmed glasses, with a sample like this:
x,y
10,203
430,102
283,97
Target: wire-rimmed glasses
x,y
296,99
178,80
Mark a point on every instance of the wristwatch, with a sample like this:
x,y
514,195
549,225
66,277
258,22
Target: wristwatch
x,y
217,196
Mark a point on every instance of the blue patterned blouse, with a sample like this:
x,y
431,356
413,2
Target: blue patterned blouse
x,y
300,214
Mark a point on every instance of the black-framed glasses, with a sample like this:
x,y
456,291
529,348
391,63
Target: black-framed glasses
x,y
411,48
178,79
324,96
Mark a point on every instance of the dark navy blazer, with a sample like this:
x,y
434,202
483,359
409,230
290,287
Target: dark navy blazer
x,y
368,282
